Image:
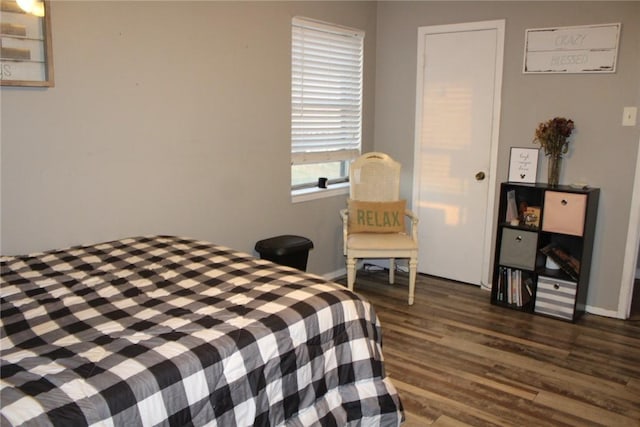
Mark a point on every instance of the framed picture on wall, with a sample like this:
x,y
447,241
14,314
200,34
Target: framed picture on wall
x,y
523,165
578,49
26,55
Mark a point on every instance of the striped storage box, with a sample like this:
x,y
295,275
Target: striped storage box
x,y
556,297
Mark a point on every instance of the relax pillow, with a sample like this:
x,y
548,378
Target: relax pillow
x,y
376,217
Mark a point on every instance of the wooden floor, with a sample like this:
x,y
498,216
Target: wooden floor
x,y
456,360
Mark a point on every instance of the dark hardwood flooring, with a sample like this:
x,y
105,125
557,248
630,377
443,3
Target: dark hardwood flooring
x,y
457,360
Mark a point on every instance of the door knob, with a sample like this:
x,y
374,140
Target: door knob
x,y
480,176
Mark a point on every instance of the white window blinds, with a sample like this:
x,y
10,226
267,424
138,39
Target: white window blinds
x,y
326,92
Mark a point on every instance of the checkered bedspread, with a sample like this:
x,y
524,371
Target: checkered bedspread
x,y
175,332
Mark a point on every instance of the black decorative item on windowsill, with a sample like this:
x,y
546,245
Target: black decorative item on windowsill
x,y
553,136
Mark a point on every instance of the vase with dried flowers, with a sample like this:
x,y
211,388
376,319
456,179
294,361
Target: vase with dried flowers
x,y
552,136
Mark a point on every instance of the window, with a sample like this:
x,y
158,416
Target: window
x,y
326,101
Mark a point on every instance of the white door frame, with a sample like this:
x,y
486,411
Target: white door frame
x,y
631,248
497,25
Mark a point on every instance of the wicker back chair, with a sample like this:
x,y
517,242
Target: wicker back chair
x,y
375,177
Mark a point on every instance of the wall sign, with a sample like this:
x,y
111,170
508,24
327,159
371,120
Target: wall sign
x,y
523,165
582,49
25,51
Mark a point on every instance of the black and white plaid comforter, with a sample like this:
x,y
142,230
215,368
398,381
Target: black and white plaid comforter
x,y
169,331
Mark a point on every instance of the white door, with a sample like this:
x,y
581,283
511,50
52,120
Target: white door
x,y
458,110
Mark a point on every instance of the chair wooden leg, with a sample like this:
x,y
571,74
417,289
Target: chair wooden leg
x,y
392,270
413,270
351,273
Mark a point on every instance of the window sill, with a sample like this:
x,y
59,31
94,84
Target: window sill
x,y
307,194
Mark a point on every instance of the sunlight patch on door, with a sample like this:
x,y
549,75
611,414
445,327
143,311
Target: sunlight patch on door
x,y
450,214
447,116
436,170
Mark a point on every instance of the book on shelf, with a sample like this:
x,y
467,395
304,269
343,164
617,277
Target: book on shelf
x,y
514,287
527,290
502,285
531,216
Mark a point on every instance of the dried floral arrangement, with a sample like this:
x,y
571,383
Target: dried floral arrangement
x,y
553,135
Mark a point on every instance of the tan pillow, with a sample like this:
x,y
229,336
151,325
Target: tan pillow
x,y
376,217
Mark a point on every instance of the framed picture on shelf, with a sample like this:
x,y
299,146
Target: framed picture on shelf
x,y
523,165
26,58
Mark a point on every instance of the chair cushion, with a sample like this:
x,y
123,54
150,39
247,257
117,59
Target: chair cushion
x,y
376,217
382,242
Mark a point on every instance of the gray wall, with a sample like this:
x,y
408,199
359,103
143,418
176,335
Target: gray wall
x,y
603,153
167,118
173,118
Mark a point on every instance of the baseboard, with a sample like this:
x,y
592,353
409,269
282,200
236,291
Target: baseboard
x,y
589,309
602,312
333,275
343,272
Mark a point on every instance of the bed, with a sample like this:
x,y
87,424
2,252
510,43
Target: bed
x,y
170,331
